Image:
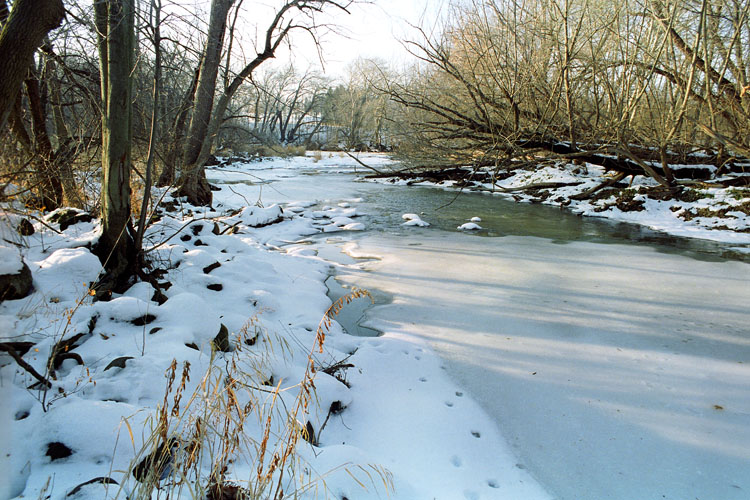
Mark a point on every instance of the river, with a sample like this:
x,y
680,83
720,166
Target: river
x,y
615,360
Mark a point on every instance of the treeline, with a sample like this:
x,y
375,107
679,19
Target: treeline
x,y
130,93
290,107
652,82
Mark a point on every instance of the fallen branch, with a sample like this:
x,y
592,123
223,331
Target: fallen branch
x,y
609,182
539,185
6,347
363,164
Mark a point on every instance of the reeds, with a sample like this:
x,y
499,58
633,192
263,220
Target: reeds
x,y
236,435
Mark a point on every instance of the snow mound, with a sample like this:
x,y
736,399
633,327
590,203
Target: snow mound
x,y
10,261
469,226
414,220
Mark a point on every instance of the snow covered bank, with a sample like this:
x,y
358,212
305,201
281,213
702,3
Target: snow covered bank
x,y
238,335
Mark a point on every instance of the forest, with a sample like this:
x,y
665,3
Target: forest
x,y
113,111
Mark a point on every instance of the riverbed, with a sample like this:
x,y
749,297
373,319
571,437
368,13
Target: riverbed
x,y
614,360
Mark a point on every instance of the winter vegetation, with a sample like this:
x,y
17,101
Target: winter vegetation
x,y
165,331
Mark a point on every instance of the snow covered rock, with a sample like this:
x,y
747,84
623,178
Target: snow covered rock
x,y
469,226
414,220
15,276
67,217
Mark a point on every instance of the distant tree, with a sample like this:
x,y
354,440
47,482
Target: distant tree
x,y
289,17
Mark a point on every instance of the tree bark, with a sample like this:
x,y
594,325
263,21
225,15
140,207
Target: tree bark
x,y
28,24
116,248
194,184
49,181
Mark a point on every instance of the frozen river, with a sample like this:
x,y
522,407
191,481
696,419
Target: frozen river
x,y
614,360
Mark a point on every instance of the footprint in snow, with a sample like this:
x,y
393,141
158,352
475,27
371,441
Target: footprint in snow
x,y
449,404
456,461
493,484
476,434
422,379
459,394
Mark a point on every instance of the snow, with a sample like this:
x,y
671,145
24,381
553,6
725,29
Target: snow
x,y
532,369
614,371
404,419
10,261
414,220
469,226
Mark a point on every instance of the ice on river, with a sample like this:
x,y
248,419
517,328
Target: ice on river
x,y
613,371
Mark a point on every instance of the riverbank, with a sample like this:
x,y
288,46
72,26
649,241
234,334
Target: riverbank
x,y
711,213
225,363
245,284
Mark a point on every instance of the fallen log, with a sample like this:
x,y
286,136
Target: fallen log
x,y
539,185
609,182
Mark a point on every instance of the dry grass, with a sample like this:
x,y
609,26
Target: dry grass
x,y
238,421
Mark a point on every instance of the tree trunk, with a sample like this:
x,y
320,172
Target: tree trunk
x,y
116,248
194,184
48,176
173,155
28,24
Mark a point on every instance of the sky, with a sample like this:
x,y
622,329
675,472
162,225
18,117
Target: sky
x,y
372,30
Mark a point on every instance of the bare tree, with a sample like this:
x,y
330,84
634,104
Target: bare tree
x,y
116,249
292,15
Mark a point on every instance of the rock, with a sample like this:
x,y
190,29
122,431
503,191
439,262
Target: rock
x,y
308,433
57,451
221,341
211,267
120,362
67,217
216,287
159,297
25,228
16,286
143,320
192,345
158,464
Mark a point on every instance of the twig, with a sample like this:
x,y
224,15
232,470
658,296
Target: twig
x,y
23,364
363,164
